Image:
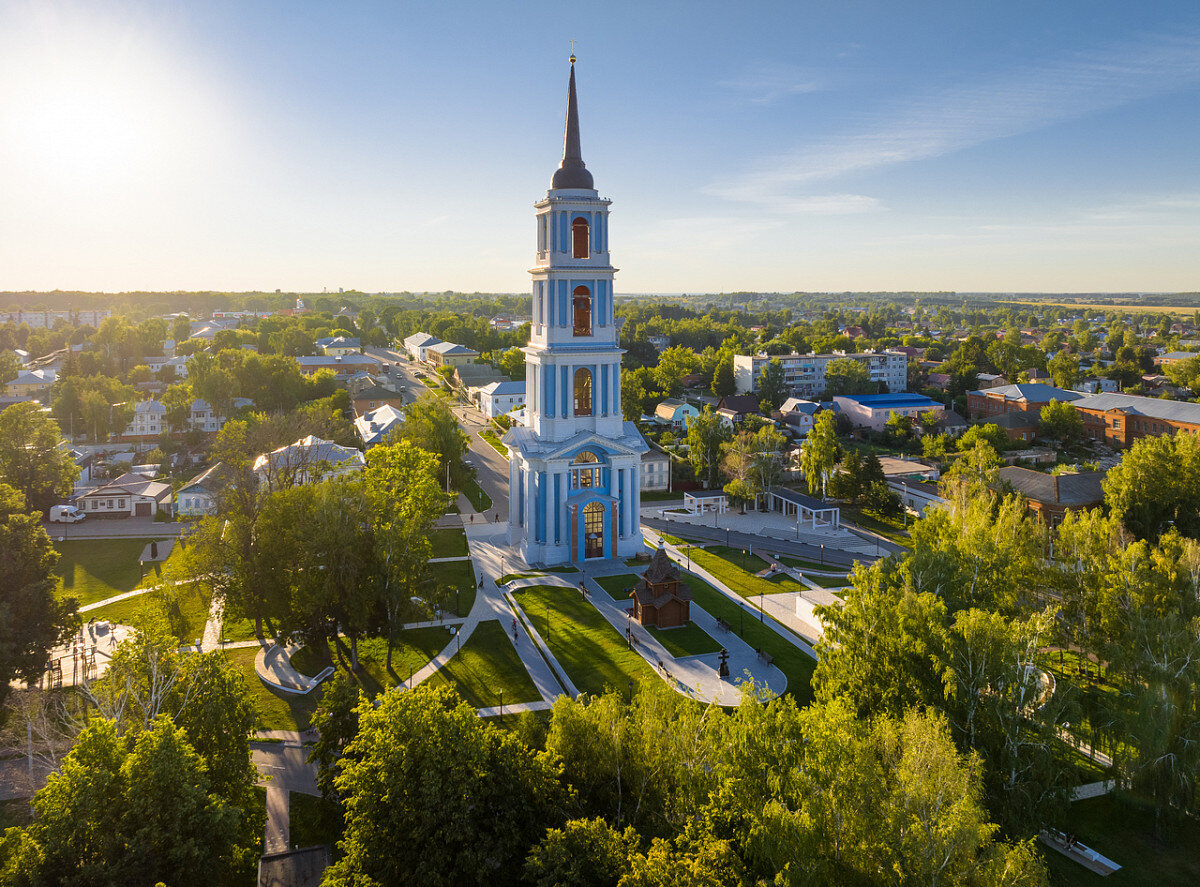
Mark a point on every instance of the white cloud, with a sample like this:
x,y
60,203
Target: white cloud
x,y
961,117
768,84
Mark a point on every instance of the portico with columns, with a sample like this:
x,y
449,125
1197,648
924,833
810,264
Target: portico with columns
x,y
574,485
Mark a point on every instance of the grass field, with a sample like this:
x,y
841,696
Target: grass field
x,y
486,664
458,578
186,607
1125,834
748,561
687,640
828,581
801,564
479,500
449,542
742,581
796,665
617,586
91,570
892,528
313,820
494,440
277,711
594,654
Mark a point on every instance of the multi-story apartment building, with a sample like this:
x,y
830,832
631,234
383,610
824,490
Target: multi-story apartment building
x,y
46,320
804,374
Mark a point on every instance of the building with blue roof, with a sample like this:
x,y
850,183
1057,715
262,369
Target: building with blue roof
x,y
873,410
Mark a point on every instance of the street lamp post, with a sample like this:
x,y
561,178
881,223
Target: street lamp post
x,y
906,505
547,623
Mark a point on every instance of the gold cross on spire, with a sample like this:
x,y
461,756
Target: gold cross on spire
x,y
572,52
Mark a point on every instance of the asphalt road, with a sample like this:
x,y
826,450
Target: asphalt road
x,y
115,528
491,468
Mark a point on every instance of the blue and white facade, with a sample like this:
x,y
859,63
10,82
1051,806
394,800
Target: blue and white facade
x,y
574,468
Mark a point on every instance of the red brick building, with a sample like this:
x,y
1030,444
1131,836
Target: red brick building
x,y
1120,419
1024,396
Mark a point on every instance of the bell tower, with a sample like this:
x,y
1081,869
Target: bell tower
x,y
575,467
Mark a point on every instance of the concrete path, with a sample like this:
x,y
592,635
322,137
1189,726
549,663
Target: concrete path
x,y
212,628
115,528
653,526
772,526
116,598
283,768
1092,790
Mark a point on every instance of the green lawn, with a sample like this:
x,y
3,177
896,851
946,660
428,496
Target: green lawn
x,y
238,629
828,581
801,564
745,559
91,570
186,608
687,640
509,577
618,586
1125,834
313,820
741,581
494,439
479,500
458,578
565,569
449,542
486,665
594,654
277,711
412,650
661,496
796,665
891,528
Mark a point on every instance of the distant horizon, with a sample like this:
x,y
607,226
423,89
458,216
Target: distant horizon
x,y
856,147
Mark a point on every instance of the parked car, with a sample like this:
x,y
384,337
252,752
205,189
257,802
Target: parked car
x,y
65,514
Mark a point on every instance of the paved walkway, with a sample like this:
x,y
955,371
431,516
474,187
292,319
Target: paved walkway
x,y
694,676
283,768
770,525
836,558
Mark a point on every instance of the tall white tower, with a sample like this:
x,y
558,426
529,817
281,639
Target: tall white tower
x,y
575,468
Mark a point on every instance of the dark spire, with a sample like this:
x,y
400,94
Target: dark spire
x,y
571,173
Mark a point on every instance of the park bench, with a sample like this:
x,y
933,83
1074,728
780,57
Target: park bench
x,y
723,625
325,673
766,657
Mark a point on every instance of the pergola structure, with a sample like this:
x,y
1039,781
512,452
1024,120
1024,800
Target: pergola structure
x,y
806,508
703,503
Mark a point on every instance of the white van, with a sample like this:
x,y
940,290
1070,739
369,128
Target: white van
x,y
65,514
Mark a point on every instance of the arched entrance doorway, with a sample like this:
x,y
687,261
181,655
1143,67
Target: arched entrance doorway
x,y
593,530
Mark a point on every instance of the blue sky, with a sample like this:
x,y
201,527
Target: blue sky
x,y
750,146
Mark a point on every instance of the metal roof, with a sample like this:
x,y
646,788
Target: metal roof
x,y
1154,407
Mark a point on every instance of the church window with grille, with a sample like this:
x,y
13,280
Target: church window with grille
x,y
579,238
583,392
581,305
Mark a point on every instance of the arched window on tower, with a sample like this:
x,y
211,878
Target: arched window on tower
x,y
583,392
579,238
581,305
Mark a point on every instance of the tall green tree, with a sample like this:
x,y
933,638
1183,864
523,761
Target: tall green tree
x,y
847,376
33,458
819,454
437,796
430,424
405,501
723,381
771,388
1060,421
706,435
32,619
1156,486
135,810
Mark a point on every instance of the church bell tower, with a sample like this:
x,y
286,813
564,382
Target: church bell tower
x,y
575,469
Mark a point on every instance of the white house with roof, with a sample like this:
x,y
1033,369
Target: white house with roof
x,y
499,398
417,343
373,427
873,410
307,460
339,346
449,354
130,495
